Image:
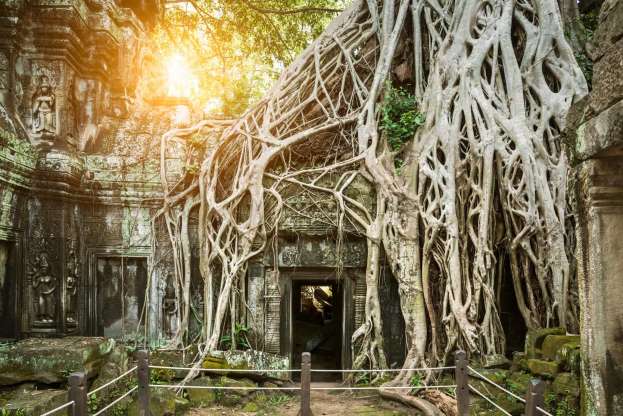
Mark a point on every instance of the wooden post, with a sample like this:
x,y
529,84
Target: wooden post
x,y
305,385
77,394
534,397
142,358
462,384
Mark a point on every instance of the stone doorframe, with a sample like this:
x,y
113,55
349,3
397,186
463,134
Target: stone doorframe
x,y
89,291
319,275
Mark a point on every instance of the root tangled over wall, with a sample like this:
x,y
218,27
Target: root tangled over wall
x,y
495,80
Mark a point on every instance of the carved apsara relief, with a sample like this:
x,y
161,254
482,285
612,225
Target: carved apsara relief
x,y
44,286
46,81
72,278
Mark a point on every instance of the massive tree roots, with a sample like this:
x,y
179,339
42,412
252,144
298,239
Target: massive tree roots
x,y
483,182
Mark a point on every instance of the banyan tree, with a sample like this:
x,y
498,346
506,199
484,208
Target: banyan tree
x,y
474,192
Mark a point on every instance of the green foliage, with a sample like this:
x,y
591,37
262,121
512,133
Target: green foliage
x,y
585,26
416,381
586,65
241,334
560,405
278,399
362,379
93,403
400,117
238,48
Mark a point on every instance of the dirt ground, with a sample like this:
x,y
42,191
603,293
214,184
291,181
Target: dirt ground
x,y
323,403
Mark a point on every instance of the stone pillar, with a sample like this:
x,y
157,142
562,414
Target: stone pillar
x,y
596,129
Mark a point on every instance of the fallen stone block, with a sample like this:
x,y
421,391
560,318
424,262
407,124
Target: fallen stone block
x,y
52,360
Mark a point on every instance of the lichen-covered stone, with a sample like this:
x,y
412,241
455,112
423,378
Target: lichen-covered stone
x,y
553,343
201,397
535,338
570,357
518,382
162,402
542,367
251,360
495,361
31,402
566,384
520,362
52,360
171,358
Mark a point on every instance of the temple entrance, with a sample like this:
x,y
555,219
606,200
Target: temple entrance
x,y
317,325
121,285
7,293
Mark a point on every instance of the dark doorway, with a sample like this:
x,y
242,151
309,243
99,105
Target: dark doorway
x,y
7,292
317,325
122,282
510,316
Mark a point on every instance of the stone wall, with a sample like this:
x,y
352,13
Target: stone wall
x,y
68,73
596,133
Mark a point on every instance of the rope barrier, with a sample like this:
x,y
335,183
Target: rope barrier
x,y
179,386
386,370
484,378
543,411
501,409
126,394
385,388
225,370
113,381
61,407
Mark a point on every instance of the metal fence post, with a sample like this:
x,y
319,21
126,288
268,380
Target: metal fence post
x,y
534,397
77,394
142,371
462,383
305,385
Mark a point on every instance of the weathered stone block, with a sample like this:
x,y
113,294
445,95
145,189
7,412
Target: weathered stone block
x,y
251,360
161,402
570,357
553,343
609,29
495,361
518,382
520,362
542,367
608,78
33,402
601,132
244,383
52,360
535,338
171,358
566,384
201,397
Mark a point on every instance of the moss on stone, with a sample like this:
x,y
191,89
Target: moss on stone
x,y
566,384
543,368
553,343
535,338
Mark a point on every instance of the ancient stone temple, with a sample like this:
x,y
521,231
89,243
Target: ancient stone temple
x,y
597,132
80,127
75,246
85,169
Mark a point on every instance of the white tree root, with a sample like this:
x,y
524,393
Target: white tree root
x,y
494,79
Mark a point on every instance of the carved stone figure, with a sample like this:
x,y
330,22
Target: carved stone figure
x,y
169,309
71,291
44,287
44,108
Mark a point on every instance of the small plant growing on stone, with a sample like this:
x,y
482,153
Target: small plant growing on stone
x,y
416,381
241,335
